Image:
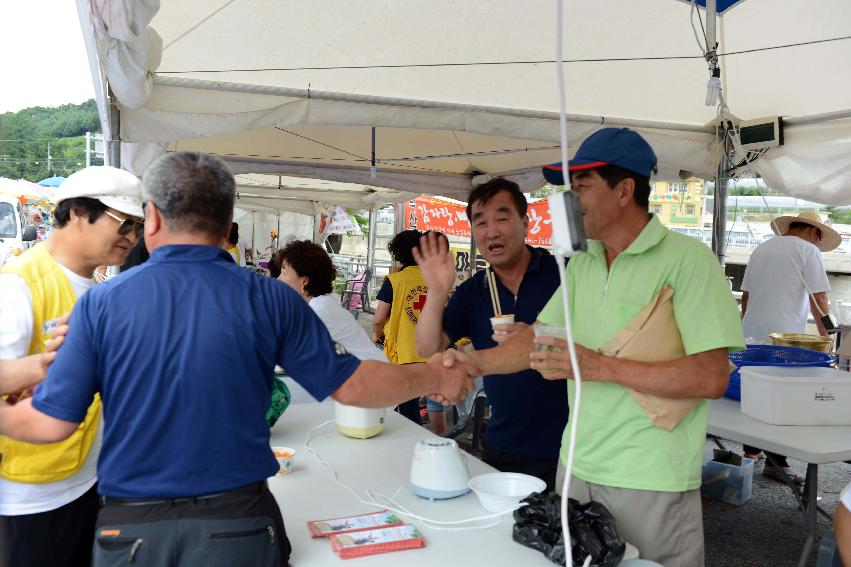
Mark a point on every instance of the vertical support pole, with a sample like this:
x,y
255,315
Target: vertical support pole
x,y
88,149
370,255
711,20
114,143
253,247
719,213
370,249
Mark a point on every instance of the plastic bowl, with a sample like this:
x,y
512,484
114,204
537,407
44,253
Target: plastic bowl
x,y
500,492
286,459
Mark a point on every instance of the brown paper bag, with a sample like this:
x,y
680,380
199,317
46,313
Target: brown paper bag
x,y
653,336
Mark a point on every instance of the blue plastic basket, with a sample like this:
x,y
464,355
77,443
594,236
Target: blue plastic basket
x,y
770,355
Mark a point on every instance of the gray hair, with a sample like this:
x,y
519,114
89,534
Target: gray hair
x,y
194,192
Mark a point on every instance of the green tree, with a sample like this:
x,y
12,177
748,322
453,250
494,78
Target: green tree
x,y
25,135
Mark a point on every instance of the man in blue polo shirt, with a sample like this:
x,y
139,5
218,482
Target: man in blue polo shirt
x,y
528,413
182,350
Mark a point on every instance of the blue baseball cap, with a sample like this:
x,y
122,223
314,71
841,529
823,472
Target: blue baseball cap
x,y
622,147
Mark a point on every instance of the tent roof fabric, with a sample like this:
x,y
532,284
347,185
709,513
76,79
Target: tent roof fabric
x,y
299,91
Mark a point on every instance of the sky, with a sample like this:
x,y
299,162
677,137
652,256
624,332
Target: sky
x,y
43,58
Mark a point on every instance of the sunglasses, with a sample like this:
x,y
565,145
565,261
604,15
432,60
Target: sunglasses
x,y
127,225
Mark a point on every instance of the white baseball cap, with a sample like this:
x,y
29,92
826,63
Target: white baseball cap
x,y
115,188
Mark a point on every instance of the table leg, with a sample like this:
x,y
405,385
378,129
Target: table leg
x,y
810,499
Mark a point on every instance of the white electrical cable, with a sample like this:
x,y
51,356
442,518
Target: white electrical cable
x,y
444,525
571,347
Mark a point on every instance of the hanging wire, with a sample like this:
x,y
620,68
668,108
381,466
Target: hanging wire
x,y
496,63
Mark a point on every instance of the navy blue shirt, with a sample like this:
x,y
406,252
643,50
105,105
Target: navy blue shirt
x,y
528,413
182,350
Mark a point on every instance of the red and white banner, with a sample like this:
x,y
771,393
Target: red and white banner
x,y
450,217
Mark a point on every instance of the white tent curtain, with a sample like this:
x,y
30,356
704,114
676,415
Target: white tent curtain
x,y
256,226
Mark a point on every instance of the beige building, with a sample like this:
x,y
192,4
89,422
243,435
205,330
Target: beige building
x,y
678,203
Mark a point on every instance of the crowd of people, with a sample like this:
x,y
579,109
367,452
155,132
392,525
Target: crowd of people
x,y
162,377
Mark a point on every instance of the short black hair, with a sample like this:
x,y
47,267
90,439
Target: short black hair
x,y
81,206
803,226
613,175
488,190
275,264
309,260
233,235
402,244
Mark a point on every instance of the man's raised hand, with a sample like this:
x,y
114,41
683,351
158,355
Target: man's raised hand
x,y
435,261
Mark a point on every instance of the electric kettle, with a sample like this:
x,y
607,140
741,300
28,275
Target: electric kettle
x,y
360,423
438,469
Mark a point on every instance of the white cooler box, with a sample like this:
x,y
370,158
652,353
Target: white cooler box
x,y
796,396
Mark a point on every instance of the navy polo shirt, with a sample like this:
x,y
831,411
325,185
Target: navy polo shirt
x,y
528,413
182,350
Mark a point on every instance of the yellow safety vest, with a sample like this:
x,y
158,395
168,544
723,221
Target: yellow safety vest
x,y
52,297
409,294
236,255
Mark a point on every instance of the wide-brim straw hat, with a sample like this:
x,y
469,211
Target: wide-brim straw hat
x,y
830,239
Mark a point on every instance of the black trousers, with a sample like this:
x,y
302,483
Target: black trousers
x,y
58,538
240,528
774,457
545,469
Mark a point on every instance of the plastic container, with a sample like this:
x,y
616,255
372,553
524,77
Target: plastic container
x,y
502,320
544,330
797,396
286,459
500,492
728,483
770,355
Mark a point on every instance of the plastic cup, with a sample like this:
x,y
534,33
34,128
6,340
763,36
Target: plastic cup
x,y
502,320
542,330
286,459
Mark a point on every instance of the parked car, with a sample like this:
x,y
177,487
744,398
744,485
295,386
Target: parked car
x,y
15,235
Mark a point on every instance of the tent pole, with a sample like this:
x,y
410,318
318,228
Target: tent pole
x,y
719,216
711,21
114,151
253,222
370,250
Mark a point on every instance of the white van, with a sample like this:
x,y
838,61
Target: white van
x,y
15,236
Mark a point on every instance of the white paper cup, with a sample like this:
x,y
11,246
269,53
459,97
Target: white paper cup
x,y
286,459
502,320
542,330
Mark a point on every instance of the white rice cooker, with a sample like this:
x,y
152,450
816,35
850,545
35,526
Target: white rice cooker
x,y
359,423
438,469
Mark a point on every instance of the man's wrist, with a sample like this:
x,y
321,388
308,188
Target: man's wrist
x,y
438,293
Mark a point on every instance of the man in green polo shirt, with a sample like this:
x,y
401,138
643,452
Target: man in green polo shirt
x,y
649,477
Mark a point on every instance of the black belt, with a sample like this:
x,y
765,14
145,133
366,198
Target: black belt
x,y
253,487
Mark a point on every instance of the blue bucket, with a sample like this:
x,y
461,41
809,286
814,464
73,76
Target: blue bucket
x,y
770,355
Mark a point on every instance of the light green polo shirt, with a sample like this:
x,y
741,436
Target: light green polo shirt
x,y
616,443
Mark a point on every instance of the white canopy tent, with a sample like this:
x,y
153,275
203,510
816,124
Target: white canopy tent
x,y
453,91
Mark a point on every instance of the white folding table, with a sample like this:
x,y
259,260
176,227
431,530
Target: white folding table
x,y
381,464
815,445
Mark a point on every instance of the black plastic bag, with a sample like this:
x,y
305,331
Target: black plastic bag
x,y
593,530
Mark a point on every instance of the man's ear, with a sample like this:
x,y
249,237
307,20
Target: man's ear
x,y
626,189
74,218
153,219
